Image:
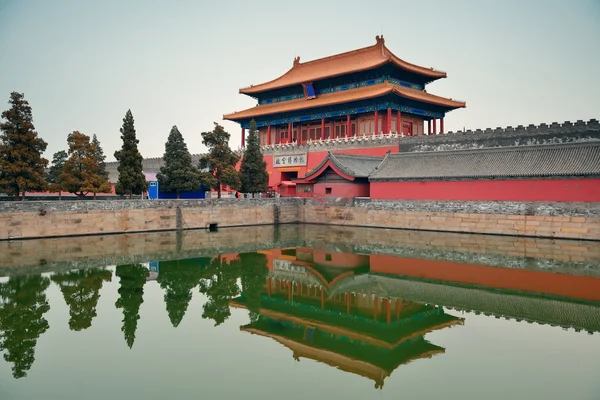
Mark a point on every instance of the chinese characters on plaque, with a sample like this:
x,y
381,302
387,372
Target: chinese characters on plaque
x,y
289,160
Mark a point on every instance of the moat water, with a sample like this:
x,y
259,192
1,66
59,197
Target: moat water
x,y
309,312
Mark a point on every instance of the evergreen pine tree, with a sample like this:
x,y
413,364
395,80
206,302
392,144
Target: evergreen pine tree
x,y
131,178
21,162
81,173
178,174
220,161
131,296
253,170
23,304
54,172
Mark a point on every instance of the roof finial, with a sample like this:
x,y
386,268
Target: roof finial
x,y
380,39
296,61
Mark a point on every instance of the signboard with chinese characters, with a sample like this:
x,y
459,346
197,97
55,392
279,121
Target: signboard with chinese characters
x,y
289,160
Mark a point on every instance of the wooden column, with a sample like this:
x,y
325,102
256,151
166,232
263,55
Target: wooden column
x,y
322,128
332,130
376,122
269,286
442,125
429,127
399,123
243,137
388,121
289,138
434,126
269,135
289,291
348,126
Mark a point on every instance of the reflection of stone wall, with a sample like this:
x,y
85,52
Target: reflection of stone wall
x,y
44,219
41,255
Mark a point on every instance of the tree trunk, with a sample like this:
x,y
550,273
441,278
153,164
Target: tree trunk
x,y
17,193
218,189
178,195
59,195
23,196
94,195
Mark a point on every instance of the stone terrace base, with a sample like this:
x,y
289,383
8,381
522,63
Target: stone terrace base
x,y
20,220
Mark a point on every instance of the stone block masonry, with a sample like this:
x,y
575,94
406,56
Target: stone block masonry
x,y
73,218
19,220
535,219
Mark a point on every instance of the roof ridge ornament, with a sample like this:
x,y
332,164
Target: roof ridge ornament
x,y
380,40
296,61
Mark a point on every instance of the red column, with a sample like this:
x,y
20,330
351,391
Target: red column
x,y
269,134
322,128
348,126
289,140
243,137
269,286
388,122
376,123
434,126
332,130
429,127
442,125
399,123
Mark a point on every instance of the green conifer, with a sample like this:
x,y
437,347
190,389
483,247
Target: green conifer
x,y
22,167
178,174
253,171
131,177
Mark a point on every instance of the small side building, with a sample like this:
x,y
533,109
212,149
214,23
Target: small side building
x,y
339,175
563,172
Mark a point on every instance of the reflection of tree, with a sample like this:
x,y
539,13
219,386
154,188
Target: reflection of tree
x,y
81,290
178,278
22,307
132,279
219,283
254,272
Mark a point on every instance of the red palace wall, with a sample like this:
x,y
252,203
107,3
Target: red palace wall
x,y
342,189
579,287
315,158
586,190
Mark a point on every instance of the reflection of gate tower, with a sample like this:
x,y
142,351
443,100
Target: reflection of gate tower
x,y
305,307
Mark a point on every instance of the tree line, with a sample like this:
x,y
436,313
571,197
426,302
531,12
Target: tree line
x,y
81,169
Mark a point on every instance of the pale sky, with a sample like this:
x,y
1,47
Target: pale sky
x,y
82,64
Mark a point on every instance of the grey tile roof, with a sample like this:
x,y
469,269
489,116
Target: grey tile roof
x,y
581,159
355,165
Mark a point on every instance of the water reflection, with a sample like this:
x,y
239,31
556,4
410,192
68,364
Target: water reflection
x,y
131,296
81,290
22,307
366,314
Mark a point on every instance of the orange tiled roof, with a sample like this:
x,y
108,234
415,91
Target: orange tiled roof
x,y
341,64
345,96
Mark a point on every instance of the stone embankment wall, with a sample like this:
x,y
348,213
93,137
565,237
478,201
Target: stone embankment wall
x,y
48,219
61,218
554,220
